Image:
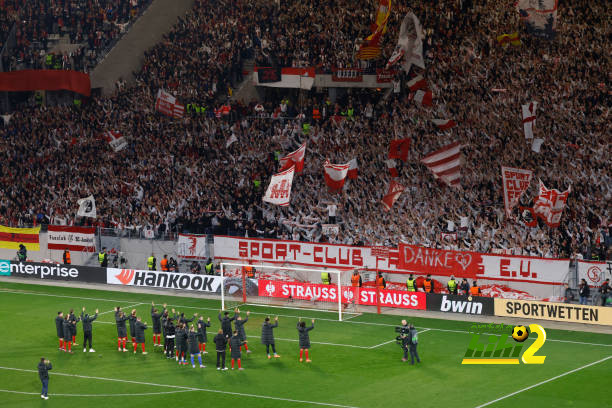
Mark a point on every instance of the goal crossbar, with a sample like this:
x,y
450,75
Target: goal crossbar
x,y
336,272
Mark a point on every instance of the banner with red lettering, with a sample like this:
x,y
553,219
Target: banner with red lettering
x,y
192,246
279,190
516,182
167,104
385,75
329,293
71,238
406,259
550,204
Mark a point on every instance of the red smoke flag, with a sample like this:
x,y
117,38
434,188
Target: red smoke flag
x,y
395,190
391,166
353,170
444,124
550,204
445,164
167,104
416,83
335,175
398,149
295,158
529,118
279,190
515,183
423,97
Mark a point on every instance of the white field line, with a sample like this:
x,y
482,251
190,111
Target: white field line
x,y
180,387
390,341
123,307
141,394
352,317
320,342
543,382
292,316
305,308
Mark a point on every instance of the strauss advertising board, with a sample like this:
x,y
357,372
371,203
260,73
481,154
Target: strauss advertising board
x,y
405,259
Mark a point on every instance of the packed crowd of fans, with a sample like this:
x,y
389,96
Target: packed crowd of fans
x,y
94,25
184,175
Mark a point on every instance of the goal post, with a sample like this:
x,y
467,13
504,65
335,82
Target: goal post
x,y
285,286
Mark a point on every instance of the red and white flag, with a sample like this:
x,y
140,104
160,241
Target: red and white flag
x,y
82,239
445,164
515,182
444,124
167,104
391,166
335,175
550,204
115,140
529,118
398,149
423,97
395,190
279,189
448,236
353,170
295,158
416,83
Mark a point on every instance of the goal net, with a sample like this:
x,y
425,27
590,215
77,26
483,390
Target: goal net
x,y
288,287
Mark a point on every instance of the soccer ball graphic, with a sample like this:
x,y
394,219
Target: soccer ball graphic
x,y
520,333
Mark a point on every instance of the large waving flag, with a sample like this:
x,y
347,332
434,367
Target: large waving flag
x,y
10,238
515,183
529,118
399,148
409,44
505,39
395,190
353,170
279,190
370,49
335,175
550,204
295,158
445,164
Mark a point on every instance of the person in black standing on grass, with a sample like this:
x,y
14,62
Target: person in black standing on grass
x,y
239,323
140,335
413,338
59,327
181,343
202,337
120,319
157,329
267,335
43,373
304,338
220,344
67,327
235,353
73,320
132,318
226,322
87,329
169,336
194,347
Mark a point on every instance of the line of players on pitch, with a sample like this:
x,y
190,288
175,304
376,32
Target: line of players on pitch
x,y
180,337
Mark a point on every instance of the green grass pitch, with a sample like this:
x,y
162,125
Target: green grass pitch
x,y
358,367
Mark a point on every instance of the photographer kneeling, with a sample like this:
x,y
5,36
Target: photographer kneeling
x,y
408,339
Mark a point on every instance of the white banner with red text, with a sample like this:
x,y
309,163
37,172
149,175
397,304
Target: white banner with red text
x,y
192,246
329,293
406,259
61,237
595,273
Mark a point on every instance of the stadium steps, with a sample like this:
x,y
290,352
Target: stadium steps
x,y
128,54
246,91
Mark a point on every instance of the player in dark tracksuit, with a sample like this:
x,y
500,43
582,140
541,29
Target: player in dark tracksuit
x,y
157,327
226,323
87,329
59,327
74,320
140,328
169,336
181,343
267,335
186,321
202,337
304,338
220,344
194,347
132,318
120,319
239,323
235,352
67,328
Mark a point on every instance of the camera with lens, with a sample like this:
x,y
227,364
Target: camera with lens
x,y
402,331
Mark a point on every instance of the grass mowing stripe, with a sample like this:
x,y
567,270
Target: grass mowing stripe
x,y
294,316
240,394
544,382
139,394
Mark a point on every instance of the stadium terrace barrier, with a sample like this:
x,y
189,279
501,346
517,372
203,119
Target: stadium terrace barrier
x,y
53,271
477,305
561,312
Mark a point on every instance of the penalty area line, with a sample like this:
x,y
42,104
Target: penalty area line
x,y
141,394
180,387
486,404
